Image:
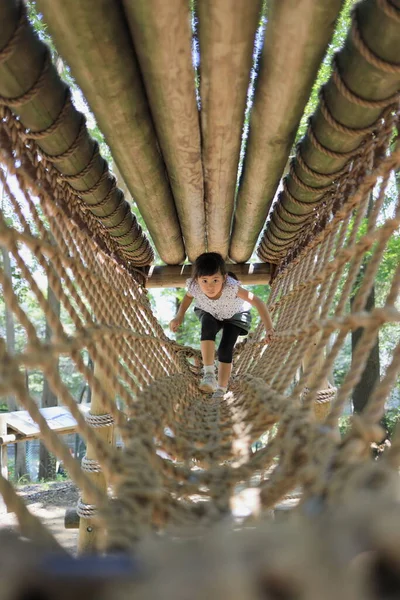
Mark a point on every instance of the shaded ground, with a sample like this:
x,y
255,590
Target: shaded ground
x,y
47,501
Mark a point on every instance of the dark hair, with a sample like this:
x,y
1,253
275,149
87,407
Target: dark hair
x,y
208,263
232,274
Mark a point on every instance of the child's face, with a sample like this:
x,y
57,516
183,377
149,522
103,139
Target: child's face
x,y
211,285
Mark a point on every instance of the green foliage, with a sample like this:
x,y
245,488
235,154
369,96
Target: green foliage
x,y
36,19
344,425
24,480
389,262
391,420
189,332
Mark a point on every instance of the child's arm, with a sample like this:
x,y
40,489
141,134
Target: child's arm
x,y
261,308
180,315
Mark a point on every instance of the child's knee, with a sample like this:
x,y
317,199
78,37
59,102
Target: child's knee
x,y
209,328
225,354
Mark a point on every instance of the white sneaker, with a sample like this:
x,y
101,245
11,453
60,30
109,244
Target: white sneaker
x,y
209,383
218,394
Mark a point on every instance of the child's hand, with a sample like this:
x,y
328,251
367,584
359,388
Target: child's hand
x,y
175,323
269,334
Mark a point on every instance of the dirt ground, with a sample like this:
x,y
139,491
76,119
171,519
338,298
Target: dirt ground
x,y
48,502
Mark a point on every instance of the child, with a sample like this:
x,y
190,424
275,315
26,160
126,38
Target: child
x,y
220,304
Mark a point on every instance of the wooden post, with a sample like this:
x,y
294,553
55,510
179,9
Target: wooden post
x,y
71,519
90,535
3,448
321,409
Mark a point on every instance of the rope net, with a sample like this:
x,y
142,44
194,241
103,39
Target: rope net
x,y
184,455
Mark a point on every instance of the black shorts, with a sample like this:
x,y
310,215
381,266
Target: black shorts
x,y
241,319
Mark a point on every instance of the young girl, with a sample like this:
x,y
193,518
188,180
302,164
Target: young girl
x,y
220,303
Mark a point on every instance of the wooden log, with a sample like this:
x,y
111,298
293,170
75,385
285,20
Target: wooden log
x,y
94,39
227,30
297,34
176,276
90,534
71,519
169,79
381,33
320,410
24,61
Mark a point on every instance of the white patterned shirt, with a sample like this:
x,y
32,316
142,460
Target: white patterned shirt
x,y
224,307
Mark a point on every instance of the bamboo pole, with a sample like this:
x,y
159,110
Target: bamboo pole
x,y
354,98
176,276
25,71
91,536
297,34
227,31
94,39
162,37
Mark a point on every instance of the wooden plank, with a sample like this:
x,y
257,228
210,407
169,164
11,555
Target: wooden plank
x,y
176,276
8,438
58,418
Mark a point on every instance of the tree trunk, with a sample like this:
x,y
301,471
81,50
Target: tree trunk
x,y
47,462
370,376
20,449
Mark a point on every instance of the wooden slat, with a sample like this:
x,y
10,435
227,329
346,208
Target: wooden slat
x,y
58,418
94,39
297,34
226,34
176,276
162,38
381,33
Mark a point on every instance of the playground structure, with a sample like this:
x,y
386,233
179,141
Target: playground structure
x,y
73,219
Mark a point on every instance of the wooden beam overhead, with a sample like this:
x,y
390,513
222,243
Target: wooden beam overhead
x,y
296,37
357,94
94,39
162,37
176,276
227,31
27,65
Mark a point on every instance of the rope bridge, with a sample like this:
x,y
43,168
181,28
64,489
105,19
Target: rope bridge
x,y
208,444
183,455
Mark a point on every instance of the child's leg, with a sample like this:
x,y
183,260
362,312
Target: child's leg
x,y
224,372
209,330
207,352
230,334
